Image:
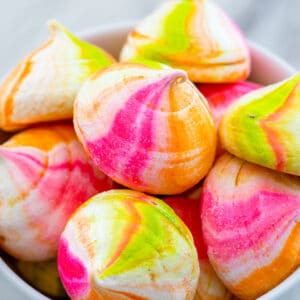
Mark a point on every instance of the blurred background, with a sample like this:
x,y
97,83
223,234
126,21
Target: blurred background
x,y
274,24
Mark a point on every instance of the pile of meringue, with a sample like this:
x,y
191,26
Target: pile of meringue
x,y
177,179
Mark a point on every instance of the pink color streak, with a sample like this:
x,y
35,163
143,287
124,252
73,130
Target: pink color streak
x,y
232,227
127,145
72,272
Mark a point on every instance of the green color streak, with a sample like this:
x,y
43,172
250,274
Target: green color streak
x,y
245,124
173,39
155,238
150,63
90,56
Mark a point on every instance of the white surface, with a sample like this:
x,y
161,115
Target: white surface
x,y
271,69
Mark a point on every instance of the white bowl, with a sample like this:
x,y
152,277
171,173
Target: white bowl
x,y
266,68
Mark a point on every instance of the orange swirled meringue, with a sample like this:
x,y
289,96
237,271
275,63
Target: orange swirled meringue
x,y
187,207
150,130
123,245
45,175
44,85
251,225
193,35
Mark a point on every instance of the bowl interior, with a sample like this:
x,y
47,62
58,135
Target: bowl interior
x,y
266,69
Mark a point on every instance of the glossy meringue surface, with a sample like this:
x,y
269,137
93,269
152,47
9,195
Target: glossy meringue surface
x,y
123,244
187,207
263,126
251,225
44,84
150,130
45,175
193,35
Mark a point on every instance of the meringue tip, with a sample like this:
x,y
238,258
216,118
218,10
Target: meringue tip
x,y
180,76
296,75
55,26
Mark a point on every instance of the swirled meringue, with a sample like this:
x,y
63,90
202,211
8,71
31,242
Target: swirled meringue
x,y
45,175
150,130
126,245
251,225
263,126
44,85
193,35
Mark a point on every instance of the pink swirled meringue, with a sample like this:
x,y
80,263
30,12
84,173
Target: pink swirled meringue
x,y
150,130
45,175
187,207
251,225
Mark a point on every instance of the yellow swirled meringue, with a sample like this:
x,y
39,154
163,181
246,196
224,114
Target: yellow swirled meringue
x,y
44,176
150,130
263,126
44,85
193,35
123,245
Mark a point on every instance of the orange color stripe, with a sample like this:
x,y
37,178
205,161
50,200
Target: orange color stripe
x,y
272,135
266,278
127,234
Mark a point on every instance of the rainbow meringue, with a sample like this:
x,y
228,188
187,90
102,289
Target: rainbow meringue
x,y
251,225
123,245
44,85
263,126
193,35
187,207
45,175
150,130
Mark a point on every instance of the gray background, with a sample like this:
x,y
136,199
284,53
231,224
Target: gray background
x,y
272,23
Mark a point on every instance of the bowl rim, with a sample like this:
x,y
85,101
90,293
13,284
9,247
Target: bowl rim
x,y
117,27
19,282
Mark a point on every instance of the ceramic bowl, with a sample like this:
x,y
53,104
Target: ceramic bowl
x,y
266,68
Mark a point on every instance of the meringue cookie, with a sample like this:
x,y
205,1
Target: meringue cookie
x,y
150,130
45,175
251,225
187,207
193,35
263,126
124,244
44,85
